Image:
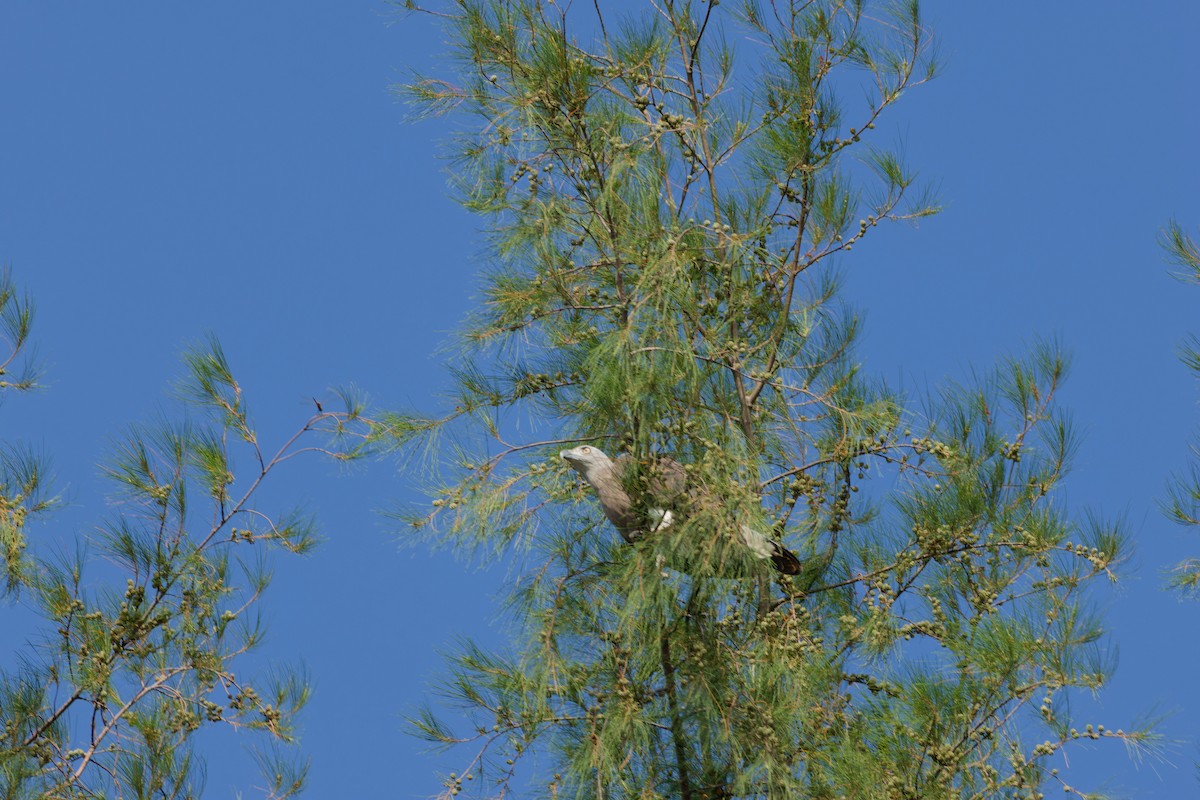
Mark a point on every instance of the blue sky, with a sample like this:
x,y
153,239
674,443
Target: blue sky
x,y
172,169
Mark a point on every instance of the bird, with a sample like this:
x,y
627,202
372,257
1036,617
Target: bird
x,y
666,485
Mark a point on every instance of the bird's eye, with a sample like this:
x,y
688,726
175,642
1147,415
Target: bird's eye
x,y
587,449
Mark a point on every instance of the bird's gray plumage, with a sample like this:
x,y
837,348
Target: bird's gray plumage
x,y
665,484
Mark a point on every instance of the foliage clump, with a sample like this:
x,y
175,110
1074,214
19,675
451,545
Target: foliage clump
x,y
146,627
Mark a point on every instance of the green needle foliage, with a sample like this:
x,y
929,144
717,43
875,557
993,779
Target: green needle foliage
x,y
666,191
1183,500
147,627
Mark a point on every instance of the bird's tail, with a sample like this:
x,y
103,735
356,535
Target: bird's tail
x,y
784,560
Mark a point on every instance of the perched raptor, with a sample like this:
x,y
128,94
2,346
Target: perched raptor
x,y
666,482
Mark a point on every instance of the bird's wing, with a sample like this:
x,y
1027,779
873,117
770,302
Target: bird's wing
x,y
669,479
659,485
654,485
658,479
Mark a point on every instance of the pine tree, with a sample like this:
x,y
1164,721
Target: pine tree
x,y
667,191
146,627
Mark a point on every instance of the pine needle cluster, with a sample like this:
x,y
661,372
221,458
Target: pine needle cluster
x,y
1183,498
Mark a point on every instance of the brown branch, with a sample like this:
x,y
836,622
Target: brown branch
x,y
677,731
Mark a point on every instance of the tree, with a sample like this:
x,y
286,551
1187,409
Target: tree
x,y
666,193
147,626
1183,499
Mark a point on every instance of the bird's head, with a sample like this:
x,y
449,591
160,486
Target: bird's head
x,y
585,459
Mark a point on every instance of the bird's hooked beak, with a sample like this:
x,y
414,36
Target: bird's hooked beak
x,y
580,458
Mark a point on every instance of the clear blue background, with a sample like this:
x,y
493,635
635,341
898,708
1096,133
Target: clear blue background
x,y
169,169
